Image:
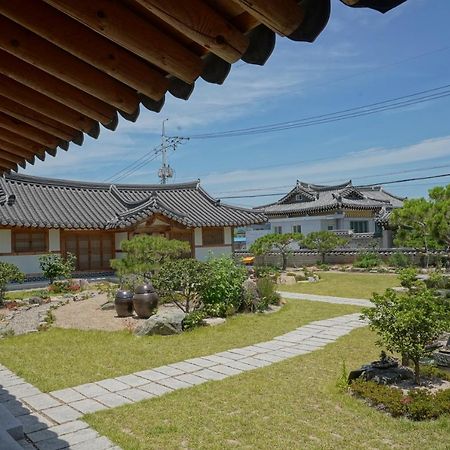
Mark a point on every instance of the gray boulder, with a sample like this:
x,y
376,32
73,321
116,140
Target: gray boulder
x,y
165,323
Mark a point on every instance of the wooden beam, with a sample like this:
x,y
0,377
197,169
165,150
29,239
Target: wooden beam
x,y
4,164
11,157
38,120
17,126
114,20
17,150
282,16
199,22
63,93
24,143
35,50
262,43
42,104
89,46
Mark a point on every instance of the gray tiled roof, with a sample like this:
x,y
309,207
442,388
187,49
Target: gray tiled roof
x,y
48,203
321,198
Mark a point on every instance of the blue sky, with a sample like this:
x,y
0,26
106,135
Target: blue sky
x,y
361,57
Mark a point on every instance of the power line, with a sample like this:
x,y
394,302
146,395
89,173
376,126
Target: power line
x,y
405,180
360,111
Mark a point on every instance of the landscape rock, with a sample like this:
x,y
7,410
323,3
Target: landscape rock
x,y
107,305
166,323
36,301
400,289
213,321
287,279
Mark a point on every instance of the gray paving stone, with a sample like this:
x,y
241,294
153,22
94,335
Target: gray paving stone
x,y
252,361
167,370
242,351
132,380
62,414
271,345
52,444
294,351
218,359
90,390
34,422
155,388
270,357
210,374
136,395
23,390
231,355
281,353
58,431
26,445
41,401
226,370
240,365
190,378
256,350
77,437
201,362
174,383
151,375
16,408
185,366
100,443
67,395
112,400
87,405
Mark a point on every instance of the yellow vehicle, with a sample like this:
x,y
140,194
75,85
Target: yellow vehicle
x,y
248,260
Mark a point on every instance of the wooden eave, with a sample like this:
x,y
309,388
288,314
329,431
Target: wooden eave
x,y
68,66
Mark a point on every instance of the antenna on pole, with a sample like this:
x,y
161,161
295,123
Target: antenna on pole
x,y
165,170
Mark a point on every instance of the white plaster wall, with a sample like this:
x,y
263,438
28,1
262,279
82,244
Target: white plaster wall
x,y
228,239
202,253
54,243
119,237
5,241
252,235
198,239
26,263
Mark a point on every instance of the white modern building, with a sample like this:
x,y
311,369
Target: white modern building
x,y
360,213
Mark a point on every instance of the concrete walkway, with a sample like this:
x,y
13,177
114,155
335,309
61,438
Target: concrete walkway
x,y
52,421
327,299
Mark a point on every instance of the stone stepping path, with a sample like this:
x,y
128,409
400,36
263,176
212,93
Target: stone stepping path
x,y
52,421
326,299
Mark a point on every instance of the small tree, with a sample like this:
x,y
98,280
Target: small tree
x,y
54,266
440,204
323,242
181,281
282,243
8,273
407,323
145,253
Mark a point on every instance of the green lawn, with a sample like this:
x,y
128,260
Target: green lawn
x,y
293,404
356,285
60,358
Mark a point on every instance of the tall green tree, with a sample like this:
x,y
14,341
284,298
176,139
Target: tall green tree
x,y
55,266
407,323
281,243
424,224
323,242
145,253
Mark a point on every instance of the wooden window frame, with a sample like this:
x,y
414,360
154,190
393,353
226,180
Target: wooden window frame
x,y
277,229
366,222
30,232
214,232
295,228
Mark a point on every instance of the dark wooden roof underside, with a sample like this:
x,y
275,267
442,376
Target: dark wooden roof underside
x,y
67,67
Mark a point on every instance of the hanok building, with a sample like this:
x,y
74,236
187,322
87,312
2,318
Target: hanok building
x,y
360,213
90,220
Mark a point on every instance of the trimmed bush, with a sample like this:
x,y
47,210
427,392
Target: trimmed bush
x,y
8,273
367,260
399,260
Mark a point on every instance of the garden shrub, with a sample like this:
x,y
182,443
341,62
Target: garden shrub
x,y
194,319
267,293
181,282
437,280
63,287
417,404
54,266
408,278
323,266
8,273
367,260
222,291
399,260
267,271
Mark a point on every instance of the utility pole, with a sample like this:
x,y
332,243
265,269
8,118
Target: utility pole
x,y
165,170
